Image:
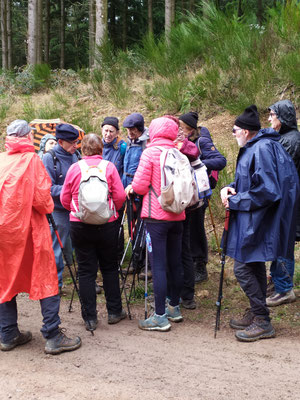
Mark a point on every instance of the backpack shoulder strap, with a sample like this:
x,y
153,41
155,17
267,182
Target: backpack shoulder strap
x,y
54,157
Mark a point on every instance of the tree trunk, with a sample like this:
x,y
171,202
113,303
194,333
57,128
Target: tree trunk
x,y
150,16
39,33
240,11
32,7
124,26
62,33
47,31
168,18
9,36
173,12
192,6
92,31
101,21
260,12
4,38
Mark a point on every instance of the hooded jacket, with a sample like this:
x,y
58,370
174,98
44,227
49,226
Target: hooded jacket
x,y
262,213
163,132
289,138
43,142
27,262
132,156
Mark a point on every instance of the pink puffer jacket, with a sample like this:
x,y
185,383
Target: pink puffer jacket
x,y
163,132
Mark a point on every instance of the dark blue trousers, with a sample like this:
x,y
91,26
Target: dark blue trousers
x,y
9,318
164,247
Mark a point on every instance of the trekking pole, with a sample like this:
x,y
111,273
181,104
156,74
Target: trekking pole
x,y
146,280
223,255
213,225
120,265
73,291
54,226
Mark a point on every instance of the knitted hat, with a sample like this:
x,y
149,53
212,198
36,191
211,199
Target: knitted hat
x,y
113,121
19,128
190,118
66,132
134,120
249,119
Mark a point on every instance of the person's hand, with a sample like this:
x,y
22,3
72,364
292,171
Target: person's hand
x,y
225,193
128,190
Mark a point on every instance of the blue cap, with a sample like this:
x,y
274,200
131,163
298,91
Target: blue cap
x,y
66,132
134,120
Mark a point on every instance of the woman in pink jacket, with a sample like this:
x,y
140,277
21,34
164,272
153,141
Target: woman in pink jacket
x,y
164,229
95,245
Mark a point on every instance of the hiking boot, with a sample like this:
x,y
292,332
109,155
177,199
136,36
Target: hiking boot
x,y
115,318
21,338
188,304
91,324
60,343
142,274
259,329
155,323
97,288
281,298
201,274
244,322
174,314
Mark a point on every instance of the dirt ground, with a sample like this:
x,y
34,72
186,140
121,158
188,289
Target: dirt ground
x,y
122,362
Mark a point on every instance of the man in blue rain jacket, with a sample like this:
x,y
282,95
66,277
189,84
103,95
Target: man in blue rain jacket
x,y
262,202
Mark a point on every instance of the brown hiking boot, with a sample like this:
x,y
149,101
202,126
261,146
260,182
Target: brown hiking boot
x,y
244,322
61,343
259,329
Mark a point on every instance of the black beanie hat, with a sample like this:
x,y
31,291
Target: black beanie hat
x,y
190,118
113,121
249,119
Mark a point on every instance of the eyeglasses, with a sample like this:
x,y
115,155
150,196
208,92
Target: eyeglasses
x,y
73,142
234,130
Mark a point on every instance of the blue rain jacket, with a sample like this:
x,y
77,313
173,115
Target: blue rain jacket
x,y
132,156
114,152
262,223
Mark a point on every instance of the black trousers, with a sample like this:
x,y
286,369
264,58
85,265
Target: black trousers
x,y
198,241
253,280
96,246
188,289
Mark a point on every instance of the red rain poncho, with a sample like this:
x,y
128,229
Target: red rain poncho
x,y
27,262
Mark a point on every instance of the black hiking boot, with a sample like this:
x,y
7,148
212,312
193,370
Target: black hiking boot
x,y
201,274
60,343
91,324
259,329
21,338
188,304
244,322
115,318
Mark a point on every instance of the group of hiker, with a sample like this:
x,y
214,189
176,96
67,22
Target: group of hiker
x,y
89,193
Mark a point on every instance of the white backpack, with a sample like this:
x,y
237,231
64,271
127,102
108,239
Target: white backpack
x,y
177,183
95,205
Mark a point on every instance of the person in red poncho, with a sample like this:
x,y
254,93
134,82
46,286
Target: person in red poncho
x,y
27,262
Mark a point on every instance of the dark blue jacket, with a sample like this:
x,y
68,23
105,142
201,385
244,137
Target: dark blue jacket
x,y
262,213
209,154
64,161
115,152
132,157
